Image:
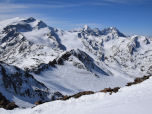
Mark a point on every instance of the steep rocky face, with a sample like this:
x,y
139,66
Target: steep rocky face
x,y
19,82
79,59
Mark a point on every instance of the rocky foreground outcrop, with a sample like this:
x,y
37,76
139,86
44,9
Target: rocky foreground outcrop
x,y
6,104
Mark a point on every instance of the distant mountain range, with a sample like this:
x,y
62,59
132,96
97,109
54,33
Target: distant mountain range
x,y
40,62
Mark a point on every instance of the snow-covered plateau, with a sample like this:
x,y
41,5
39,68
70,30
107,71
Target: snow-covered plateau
x,y
39,62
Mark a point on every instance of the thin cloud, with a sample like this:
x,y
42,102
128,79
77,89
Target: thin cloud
x,y
125,1
96,3
11,10
53,6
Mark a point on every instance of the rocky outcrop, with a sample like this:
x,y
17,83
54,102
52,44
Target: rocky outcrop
x,y
6,104
77,95
138,80
110,90
38,102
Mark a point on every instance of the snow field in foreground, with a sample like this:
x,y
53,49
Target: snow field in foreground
x,y
135,99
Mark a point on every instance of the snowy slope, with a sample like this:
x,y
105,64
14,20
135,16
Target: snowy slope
x,y
27,51
75,71
133,99
34,30
20,86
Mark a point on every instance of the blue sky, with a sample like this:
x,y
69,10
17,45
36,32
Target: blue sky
x,y
129,16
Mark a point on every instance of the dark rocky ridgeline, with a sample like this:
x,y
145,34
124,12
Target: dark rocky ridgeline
x,y
6,104
115,90
138,80
85,62
18,82
77,95
90,92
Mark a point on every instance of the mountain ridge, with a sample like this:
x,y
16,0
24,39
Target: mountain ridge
x,y
70,62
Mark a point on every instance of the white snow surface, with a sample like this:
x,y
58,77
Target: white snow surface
x,y
135,99
70,80
71,41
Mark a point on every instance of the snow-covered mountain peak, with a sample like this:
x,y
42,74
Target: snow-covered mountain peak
x,y
86,28
31,19
96,30
112,31
112,27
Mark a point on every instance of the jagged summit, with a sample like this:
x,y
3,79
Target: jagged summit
x,y
107,31
86,28
31,19
113,31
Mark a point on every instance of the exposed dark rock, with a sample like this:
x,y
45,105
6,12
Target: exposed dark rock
x,y
116,89
107,90
38,102
11,106
129,84
77,95
138,80
4,103
65,98
82,93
